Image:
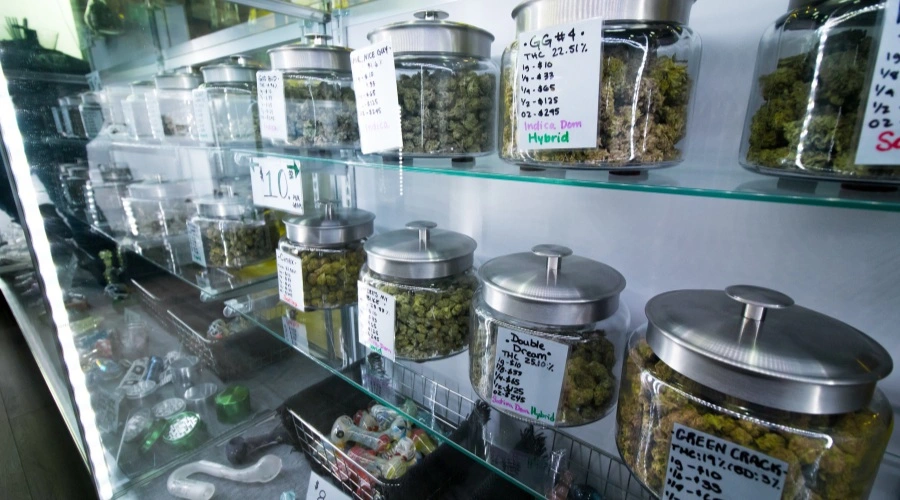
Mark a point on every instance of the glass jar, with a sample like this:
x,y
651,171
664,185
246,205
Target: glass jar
x,y
446,85
569,307
91,112
650,61
114,111
158,208
231,92
229,232
794,388
329,248
105,200
173,99
320,105
74,181
810,92
136,112
429,273
71,116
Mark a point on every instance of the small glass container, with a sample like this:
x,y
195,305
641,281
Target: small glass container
x,y
114,111
446,85
91,110
430,274
810,92
650,61
105,200
71,116
158,208
320,105
568,304
136,112
748,368
330,248
231,90
174,100
231,232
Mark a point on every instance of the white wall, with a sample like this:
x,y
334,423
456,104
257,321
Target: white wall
x,y
46,15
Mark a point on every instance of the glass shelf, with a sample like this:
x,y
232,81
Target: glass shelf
x,y
729,181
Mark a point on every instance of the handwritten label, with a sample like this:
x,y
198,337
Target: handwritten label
x,y
557,77
203,128
195,237
276,183
377,104
290,279
321,489
295,333
706,467
528,375
270,98
879,139
92,119
376,320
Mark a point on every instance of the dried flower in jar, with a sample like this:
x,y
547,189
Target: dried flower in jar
x,y
320,113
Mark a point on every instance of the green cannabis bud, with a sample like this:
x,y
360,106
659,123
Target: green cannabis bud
x,y
153,219
235,244
330,275
320,113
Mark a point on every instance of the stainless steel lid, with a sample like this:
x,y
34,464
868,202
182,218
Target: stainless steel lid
x,y
334,226
538,14
420,252
315,54
178,81
429,34
230,72
224,207
91,97
159,189
755,344
551,286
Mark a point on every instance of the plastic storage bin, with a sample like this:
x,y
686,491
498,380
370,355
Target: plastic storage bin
x,y
173,99
229,232
231,93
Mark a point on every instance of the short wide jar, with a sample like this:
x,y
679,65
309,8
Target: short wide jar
x,y
230,232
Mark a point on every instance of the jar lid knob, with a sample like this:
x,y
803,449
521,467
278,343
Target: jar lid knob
x,y
329,207
424,228
757,300
317,38
431,15
554,254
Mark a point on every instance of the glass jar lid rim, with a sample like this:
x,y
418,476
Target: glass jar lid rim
x,y
420,251
536,14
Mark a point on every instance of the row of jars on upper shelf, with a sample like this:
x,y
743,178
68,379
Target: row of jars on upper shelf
x,y
806,115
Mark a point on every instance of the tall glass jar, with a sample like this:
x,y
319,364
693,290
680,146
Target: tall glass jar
x,y
71,116
137,114
770,395
446,85
105,199
429,274
173,99
810,92
91,112
650,61
562,314
158,208
231,93
74,181
320,105
327,251
229,232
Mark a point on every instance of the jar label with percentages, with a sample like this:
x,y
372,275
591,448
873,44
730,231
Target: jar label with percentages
x,y
290,279
277,183
528,375
203,128
272,112
321,489
195,237
879,140
376,320
377,104
710,468
295,333
557,86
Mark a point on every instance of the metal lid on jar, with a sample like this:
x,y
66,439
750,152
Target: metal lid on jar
x,y
78,173
178,80
315,54
159,189
91,97
551,286
429,34
142,86
334,226
755,344
538,14
116,172
70,101
420,252
237,72
224,207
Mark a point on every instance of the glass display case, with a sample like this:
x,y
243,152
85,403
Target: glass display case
x,y
218,312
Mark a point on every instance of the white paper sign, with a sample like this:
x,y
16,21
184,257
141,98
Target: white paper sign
x,y
321,489
195,237
276,183
203,128
528,375
295,333
377,105
879,140
707,467
270,99
92,119
557,82
377,315
290,279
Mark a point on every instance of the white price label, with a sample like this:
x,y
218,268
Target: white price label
x,y
321,489
155,116
92,119
195,238
705,466
377,316
557,77
270,99
377,104
295,333
203,128
528,375
277,183
879,139
290,279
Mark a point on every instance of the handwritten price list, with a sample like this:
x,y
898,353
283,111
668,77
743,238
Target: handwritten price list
x,y
376,320
290,279
879,140
377,104
705,467
528,375
270,102
295,333
277,184
557,86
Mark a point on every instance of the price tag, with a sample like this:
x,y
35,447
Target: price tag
x,y
290,279
155,116
321,489
195,237
528,375
276,183
270,99
376,320
202,118
706,467
879,139
557,82
92,120
295,333
377,105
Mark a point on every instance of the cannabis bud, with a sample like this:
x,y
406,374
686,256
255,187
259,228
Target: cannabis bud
x,y
234,244
330,275
320,113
